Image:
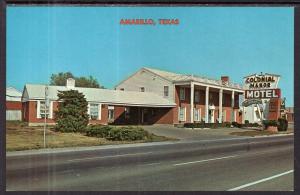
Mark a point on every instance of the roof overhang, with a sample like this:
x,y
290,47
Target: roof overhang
x,y
188,82
119,103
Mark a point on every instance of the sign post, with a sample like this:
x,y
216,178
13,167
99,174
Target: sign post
x,y
46,113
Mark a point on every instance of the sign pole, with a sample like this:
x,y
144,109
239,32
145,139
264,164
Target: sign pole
x,y
45,115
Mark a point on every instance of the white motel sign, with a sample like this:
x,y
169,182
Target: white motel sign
x,y
263,86
266,81
262,94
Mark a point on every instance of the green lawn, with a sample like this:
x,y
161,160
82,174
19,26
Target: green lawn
x,y
21,137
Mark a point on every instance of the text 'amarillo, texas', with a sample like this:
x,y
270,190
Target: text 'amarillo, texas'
x,y
149,22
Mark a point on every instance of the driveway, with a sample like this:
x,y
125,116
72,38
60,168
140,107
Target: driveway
x,y
192,134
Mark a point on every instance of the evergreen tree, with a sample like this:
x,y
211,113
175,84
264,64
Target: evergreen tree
x,y
72,112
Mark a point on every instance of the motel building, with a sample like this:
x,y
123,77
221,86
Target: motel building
x,y
13,104
149,96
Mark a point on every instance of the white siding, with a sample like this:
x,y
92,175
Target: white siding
x,y
13,115
150,81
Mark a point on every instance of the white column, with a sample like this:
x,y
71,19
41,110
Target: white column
x,y
243,116
220,105
206,103
232,106
253,114
192,102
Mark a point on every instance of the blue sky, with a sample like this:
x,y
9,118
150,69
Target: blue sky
x,y
209,41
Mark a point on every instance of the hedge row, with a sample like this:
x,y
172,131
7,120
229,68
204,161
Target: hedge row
x,y
207,125
239,125
217,125
118,133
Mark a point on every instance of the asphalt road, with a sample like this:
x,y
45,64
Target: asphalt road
x,y
234,164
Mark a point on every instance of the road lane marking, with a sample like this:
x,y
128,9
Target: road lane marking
x,y
199,161
99,157
149,164
260,181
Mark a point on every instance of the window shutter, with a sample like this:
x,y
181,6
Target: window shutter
x,y
88,111
51,109
38,109
99,114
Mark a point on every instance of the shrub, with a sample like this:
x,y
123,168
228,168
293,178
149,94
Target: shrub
x,y
127,133
250,124
282,124
226,124
98,131
236,124
118,133
269,123
247,122
255,125
71,115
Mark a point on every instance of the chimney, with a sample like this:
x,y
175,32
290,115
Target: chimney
x,y
225,79
70,83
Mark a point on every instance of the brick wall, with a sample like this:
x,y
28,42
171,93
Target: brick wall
x,y
29,113
274,108
13,105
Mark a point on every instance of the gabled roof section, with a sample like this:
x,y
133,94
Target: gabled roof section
x,y
108,96
156,72
12,94
165,74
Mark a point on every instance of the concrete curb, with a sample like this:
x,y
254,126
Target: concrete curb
x,y
84,148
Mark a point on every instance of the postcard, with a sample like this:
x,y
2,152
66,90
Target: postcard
x,y
149,98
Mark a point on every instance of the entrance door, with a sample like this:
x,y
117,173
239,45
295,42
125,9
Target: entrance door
x,y
211,116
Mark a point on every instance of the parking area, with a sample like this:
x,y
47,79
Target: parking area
x,y
192,134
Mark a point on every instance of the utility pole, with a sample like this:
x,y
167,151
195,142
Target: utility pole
x,y
46,113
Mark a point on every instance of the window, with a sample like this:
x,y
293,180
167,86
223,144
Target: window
x,y
197,114
166,91
111,113
122,89
182,93
197,96
182,114
127,112
94,111
142,89
43,109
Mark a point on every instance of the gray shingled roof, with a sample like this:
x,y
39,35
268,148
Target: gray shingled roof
x,y
114,97
174,77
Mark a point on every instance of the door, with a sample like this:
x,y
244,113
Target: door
x,y
211,116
